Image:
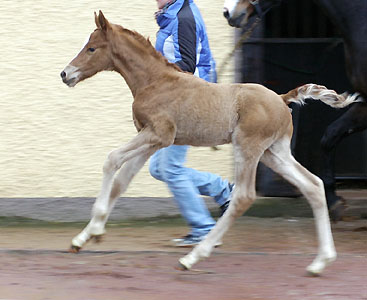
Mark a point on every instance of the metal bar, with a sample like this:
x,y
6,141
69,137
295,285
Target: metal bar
x,y
351,177
292,40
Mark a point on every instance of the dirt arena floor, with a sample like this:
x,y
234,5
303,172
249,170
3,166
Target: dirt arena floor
x,y
262,258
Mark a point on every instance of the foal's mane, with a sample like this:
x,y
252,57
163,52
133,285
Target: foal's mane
x,y
147,45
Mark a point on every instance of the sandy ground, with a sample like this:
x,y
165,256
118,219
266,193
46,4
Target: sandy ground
x,y
262,258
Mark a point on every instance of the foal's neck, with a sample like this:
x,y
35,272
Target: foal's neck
x,y
137,61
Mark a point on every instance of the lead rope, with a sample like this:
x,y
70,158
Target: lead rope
x,y
239,43
245,36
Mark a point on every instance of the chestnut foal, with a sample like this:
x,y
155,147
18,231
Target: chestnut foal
x,y
174,107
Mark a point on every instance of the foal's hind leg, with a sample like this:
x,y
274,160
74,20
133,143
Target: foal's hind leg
x,y
278,157
102,210
243,196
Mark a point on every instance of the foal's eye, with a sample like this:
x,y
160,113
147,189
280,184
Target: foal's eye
x,y
91,49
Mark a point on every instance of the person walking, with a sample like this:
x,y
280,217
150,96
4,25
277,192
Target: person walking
x,y
183,40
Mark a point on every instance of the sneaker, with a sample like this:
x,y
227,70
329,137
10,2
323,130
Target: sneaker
x,y
224,206
190,241
177,240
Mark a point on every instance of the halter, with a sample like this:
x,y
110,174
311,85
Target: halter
x,y
256,5
246,35
260,12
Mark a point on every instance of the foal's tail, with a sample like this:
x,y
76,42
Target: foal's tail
x,y
319,92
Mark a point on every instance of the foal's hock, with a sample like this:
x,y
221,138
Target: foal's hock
x,y
173,107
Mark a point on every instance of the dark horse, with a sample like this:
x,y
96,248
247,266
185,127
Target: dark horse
x,y
349,18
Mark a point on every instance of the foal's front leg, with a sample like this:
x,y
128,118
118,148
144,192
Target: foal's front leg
x,y
96,226
104,203
138,145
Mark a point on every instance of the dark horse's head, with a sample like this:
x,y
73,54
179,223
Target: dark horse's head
x,y
237,12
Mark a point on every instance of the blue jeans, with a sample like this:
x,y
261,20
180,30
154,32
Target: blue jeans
x,y
187,185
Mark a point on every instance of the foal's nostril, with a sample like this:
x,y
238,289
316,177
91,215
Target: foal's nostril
x,y
226,13
63,74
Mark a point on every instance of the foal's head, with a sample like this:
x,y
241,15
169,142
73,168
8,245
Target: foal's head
x,y
94,56
237,12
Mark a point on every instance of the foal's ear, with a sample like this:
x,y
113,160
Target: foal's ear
x,y
101,21
96,20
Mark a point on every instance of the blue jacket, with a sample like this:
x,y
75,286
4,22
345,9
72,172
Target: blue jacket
x,y
183,40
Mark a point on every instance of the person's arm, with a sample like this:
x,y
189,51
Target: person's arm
x,y
186,35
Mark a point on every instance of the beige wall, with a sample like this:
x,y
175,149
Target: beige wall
x,y
54,139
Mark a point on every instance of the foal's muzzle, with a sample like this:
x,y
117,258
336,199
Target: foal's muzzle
x,y
63,76
70,75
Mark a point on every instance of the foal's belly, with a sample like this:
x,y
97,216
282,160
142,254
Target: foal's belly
x,y
200,134
207,116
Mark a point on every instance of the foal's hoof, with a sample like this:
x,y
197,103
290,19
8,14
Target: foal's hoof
x,y
318,265
74,249
312,273
181,267
183,264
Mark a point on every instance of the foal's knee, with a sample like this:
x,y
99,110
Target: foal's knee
x,y
111,164
240,204
317,192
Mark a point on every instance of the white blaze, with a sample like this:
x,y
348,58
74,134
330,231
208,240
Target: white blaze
x,y
85,42
230,5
